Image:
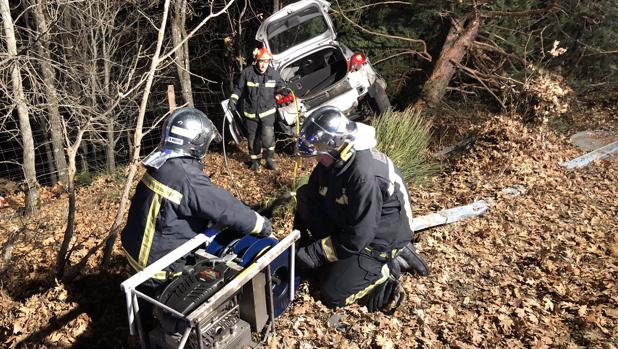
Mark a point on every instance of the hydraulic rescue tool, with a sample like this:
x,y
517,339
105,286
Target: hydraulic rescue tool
x,y
228,299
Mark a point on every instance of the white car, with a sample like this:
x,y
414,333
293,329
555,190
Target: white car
x,y
315,66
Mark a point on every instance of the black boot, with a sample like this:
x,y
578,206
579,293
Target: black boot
x,y
386,297
254,165
411,261
270,162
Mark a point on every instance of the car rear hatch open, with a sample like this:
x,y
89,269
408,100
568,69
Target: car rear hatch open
x,y
296,29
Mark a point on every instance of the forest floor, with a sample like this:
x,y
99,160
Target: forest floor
x,y
538,270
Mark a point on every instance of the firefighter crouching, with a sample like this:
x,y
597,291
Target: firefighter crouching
x,y
256,90
354,215
175,200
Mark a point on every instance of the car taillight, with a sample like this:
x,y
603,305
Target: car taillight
x,y
356,61
285,100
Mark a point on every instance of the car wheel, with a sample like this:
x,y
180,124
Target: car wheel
x,y
378,100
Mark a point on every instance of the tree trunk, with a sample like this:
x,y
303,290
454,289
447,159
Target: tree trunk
x,y
62,257
460,37
83,157
49,78
110,144
137,141
49,155
110,156
32,193
182,54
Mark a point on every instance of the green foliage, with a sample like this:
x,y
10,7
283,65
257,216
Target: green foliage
x,y
83,179
515,37
404,137
393,58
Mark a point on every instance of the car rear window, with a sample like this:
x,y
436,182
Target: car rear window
x,y
295,29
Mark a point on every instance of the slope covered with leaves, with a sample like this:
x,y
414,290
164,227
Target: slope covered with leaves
x,y
539,270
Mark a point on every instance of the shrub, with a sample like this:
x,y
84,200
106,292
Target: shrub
x,y
404,137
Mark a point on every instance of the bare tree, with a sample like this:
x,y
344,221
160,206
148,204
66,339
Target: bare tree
x,y
181,57
91,109
32,193
51,93
137,137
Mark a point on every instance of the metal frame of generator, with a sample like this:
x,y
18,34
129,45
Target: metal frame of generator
x,y
243,305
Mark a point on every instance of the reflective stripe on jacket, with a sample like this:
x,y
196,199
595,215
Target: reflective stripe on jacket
x,y
257,91
173,204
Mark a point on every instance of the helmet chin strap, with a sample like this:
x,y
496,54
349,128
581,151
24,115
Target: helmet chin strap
x,y
345,154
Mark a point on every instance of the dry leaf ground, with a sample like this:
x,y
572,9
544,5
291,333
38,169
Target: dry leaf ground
x,y
539,270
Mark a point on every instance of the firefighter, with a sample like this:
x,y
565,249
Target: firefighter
x,y
256,90
175,200
354,215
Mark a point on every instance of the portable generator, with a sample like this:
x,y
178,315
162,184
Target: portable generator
x,y
228,299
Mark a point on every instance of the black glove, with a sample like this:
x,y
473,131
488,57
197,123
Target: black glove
x,y
231,105
386,297
409,260
283,91
267,228
305,260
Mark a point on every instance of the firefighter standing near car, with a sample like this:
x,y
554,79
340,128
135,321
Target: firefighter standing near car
x,y
175,200
354,215
255,92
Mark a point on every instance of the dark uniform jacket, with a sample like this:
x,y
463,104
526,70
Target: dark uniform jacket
x,y
173,204
257,91
367,203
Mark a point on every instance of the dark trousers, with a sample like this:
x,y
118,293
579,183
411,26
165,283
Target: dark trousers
x,y
346,280
261,133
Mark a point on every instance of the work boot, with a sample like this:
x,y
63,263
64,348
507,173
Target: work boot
x,y
270,162
254,165
398,296
411,261
386,297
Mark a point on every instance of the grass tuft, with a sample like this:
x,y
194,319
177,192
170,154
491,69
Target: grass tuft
x,y
404,136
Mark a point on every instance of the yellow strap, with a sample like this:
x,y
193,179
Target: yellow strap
x,y
323,190
391,254
162,189
262,115
161,275
149,231
385,274
234,96
252,84
345,154
268,112
343,199
329,249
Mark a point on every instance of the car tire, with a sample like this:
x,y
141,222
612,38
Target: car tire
x,y
378,100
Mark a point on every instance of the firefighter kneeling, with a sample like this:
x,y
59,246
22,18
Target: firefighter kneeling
x,y
354,215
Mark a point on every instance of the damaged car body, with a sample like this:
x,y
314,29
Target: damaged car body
x,y
316,68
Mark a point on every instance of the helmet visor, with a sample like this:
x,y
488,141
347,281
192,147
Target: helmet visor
x,y
305,147
315,140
